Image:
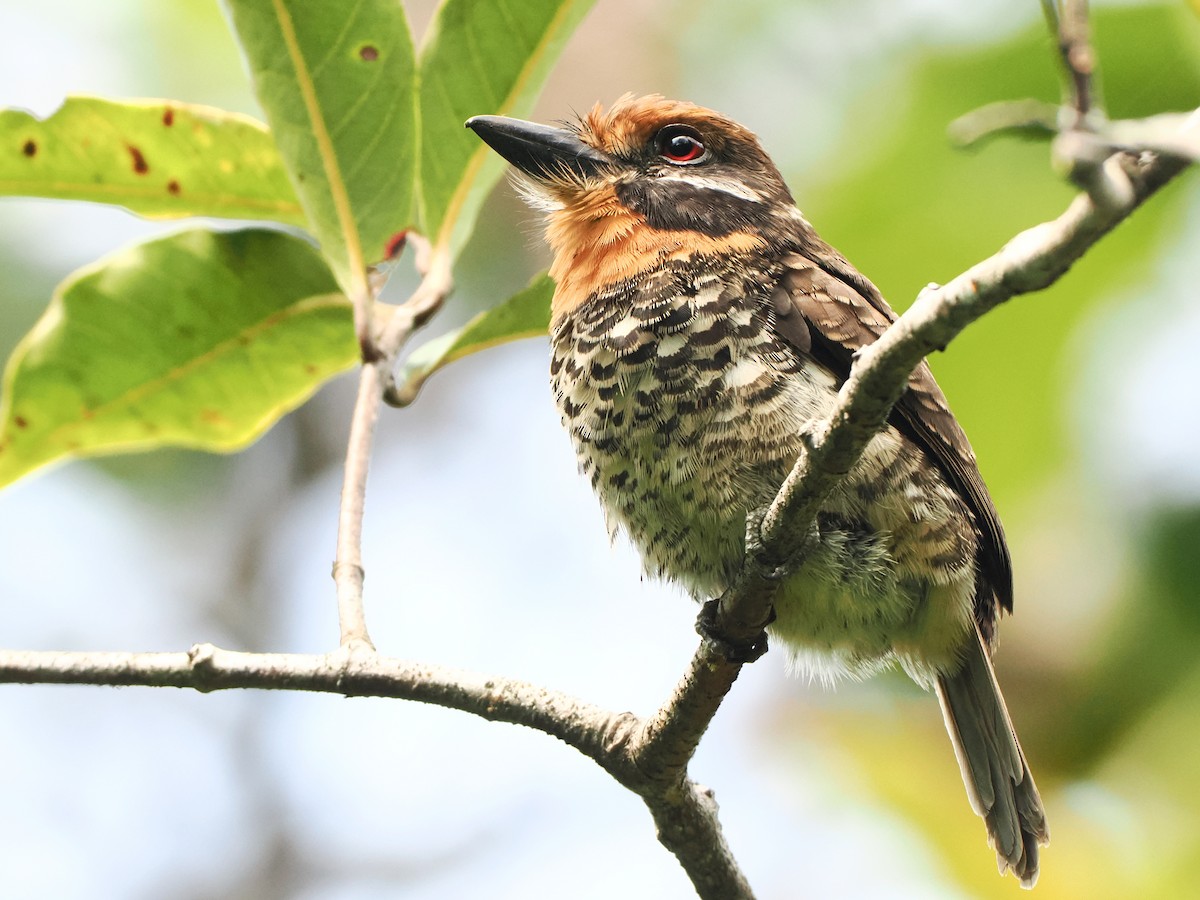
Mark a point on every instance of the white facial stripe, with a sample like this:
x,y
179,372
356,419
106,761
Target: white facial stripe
x,y
733,188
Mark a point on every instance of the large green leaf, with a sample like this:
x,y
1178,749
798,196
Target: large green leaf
x,y
157,158
337,84
523,315
479,58
199,339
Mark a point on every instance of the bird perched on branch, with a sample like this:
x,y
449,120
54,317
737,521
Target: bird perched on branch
x,y
699,325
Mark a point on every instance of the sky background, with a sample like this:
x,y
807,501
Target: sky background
x,y
485,550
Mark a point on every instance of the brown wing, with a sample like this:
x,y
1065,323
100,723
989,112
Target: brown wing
x,y
841,311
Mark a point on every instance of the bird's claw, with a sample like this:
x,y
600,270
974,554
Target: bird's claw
x,y
736,651
769,563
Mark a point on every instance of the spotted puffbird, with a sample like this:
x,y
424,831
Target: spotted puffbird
x,y
698,326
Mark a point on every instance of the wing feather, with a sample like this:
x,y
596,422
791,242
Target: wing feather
x,y
827,308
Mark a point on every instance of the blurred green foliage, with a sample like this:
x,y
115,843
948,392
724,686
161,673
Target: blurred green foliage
x,y
1111,738
924,210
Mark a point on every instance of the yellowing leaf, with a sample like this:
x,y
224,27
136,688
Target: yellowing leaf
x,y
158,158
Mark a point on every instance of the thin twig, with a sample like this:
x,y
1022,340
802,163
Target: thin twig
x,y
1024,118
376,376
1069,23
1169,134
1079,58
348,572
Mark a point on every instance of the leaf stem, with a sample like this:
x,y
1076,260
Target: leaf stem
x,y
348,572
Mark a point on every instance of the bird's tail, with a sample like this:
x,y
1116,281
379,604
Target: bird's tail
x,y
993,766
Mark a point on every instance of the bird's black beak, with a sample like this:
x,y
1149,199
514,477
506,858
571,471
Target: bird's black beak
x,y
538,150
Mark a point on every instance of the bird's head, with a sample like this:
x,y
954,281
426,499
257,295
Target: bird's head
x,y
679,165
649,176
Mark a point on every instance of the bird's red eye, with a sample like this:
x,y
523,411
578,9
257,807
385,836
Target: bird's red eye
x,y
680,144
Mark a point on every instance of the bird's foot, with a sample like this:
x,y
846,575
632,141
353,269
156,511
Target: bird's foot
x,y
770,564
738,651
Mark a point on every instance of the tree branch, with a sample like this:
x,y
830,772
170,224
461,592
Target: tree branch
x,y
684,813
1078,58
1169,134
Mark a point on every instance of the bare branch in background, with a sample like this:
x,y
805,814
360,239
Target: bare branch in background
x,y
1169,134
1079,59
1023,118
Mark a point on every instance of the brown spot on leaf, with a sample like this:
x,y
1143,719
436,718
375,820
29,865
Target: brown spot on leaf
x,y
310,369
20,422
168,117
395,244
173,188
368,52
213,417
139,161
30,148
87,413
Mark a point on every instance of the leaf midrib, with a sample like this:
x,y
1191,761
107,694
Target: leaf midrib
x,y
325,149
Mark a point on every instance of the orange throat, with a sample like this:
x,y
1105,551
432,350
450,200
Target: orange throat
x,y
598,242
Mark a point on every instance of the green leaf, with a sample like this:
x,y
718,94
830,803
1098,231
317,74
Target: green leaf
x,y
199,339
158,158
523,315
479,58
337,84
